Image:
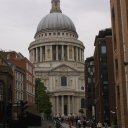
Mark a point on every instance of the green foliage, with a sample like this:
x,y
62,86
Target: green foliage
x,y
42,98
81,111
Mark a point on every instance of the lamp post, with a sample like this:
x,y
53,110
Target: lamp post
x,y
114,123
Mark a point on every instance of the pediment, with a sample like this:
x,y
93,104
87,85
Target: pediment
x,y
63,68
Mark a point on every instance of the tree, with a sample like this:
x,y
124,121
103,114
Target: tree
x,y
42,98
81,111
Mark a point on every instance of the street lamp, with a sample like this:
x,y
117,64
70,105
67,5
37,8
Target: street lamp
x,y
114,123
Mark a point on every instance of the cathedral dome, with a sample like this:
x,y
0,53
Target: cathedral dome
x,y
56,21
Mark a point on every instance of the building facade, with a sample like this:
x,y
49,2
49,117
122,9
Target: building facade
x,y
24,79
119,16
58,57
6,84
104,78
90,88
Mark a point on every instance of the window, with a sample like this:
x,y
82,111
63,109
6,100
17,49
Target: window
x,y
103,49
89,69
89,80
82,103
82,88
63,81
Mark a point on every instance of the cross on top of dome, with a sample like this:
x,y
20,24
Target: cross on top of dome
x,y
55,6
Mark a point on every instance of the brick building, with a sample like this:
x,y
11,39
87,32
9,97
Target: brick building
x,y
89,88
104,77
119,16
24,77
6,83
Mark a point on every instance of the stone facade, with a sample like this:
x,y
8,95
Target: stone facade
x,y
58,57
119,16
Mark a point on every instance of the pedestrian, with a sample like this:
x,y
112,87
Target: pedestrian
x,y
99,125
84,123
79,123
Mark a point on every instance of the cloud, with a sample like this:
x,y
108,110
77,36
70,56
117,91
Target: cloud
x,y
19,20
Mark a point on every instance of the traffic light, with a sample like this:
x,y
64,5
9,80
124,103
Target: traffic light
x,y
23,107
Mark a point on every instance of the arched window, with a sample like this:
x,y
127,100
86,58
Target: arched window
x,y
63,81
82,103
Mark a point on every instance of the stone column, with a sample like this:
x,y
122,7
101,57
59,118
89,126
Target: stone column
x,y
69,105
80,55
56,52
41,54
36,54
62,57
57,105
73,53
62,105
77,104
73,105
33,55
76,53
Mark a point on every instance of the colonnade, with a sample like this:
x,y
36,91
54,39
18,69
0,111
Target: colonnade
x,y
65,105
57,52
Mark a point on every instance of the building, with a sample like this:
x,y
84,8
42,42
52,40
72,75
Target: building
x,y
58,57
23,89
119,16
24,80
6,83
104,78
90,87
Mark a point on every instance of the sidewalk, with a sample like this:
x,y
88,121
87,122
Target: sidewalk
x,y
66,125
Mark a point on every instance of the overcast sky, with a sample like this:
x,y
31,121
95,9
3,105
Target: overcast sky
x,y
19,20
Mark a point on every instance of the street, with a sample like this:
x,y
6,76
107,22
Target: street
x,y
47,124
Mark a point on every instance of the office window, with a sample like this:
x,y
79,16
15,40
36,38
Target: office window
x,y
103,49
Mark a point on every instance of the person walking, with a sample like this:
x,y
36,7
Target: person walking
x,y
99,125
79,123
84,123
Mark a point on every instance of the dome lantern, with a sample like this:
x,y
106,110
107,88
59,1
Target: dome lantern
x,y
55,6
56,20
